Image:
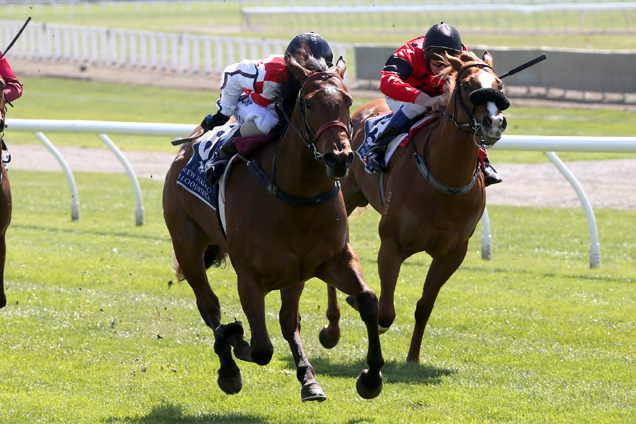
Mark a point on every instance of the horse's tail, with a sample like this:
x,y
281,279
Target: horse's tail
x,y
213,256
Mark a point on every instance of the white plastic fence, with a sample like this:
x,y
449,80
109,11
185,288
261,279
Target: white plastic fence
x,y
132,49
99,128
549,145
521,143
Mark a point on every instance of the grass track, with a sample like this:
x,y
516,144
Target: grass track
x,y
94,332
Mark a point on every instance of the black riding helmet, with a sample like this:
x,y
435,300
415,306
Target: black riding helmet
x,y
318,45
442,38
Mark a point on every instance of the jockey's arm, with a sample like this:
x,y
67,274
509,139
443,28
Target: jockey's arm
x,y
13,89
235,80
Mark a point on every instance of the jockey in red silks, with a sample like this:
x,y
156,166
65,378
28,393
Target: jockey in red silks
x,y
250,90
13,88
12,91
411,88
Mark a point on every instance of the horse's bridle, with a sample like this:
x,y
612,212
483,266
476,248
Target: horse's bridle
x,y
310,137
491,94
268,182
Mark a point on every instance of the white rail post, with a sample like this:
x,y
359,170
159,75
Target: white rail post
x,y
595,247
75,207
139,212
486,238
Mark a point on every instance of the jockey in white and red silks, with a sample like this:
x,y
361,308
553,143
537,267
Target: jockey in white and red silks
x,y
249,90
412,89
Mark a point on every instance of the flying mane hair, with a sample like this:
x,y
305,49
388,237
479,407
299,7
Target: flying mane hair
x,y
290,86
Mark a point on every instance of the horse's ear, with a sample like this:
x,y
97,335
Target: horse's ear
x,y
455,62
486,57
341,67
296,68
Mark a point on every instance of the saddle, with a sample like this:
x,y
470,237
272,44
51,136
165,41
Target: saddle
x,y
375,126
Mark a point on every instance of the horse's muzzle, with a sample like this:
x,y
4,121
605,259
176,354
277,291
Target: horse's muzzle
x,y
337,164
492,127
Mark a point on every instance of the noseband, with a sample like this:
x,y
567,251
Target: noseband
x,y
310,137
477,97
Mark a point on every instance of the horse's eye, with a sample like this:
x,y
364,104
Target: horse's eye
x,y
465,86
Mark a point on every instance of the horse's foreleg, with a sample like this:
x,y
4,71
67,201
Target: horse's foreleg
x,y
439,272
389,263
330,335
252,295
289,318
346,274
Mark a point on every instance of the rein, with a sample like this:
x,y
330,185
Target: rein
x,y
269,184
422,163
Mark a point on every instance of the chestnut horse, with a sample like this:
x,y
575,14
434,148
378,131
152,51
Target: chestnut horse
x,y
5,199
274,245
431,204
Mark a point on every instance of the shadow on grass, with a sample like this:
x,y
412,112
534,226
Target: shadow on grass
x,y
170,414
393,371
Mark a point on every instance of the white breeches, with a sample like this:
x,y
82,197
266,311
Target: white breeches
x,y
265,118
411,110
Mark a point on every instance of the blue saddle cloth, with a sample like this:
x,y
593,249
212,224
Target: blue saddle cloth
x,y
192,177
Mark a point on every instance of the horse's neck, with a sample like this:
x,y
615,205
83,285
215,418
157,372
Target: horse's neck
x,y
296,172
452,154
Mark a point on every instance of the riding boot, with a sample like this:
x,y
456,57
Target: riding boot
x,y
491,176
375,156
215,166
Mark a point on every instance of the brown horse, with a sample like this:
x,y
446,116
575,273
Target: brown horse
x,y
431,204
276,245
5,199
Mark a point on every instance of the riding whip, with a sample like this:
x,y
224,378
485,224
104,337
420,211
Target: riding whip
x,y
524,66
15,39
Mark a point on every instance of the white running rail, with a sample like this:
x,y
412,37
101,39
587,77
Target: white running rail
x,y
521,143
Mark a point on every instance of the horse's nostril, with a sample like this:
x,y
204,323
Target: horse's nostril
x,y
350,157
504,124
330,159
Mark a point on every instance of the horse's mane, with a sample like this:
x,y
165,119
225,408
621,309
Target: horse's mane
x,y
290,86
448,73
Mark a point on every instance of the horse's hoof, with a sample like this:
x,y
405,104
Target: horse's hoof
x,y
366,391
382,330
325,341
230,385
312,391
225,331
352,302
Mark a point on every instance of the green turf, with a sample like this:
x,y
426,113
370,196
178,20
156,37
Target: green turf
x,y
98,330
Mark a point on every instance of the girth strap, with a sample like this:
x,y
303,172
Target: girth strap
x,y
290,200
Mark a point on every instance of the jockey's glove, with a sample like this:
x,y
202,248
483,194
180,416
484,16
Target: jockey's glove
x,y
433,103
213,121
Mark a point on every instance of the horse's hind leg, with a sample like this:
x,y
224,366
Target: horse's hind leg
x,y
438,273
289,318
189,249
346,274
330,334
